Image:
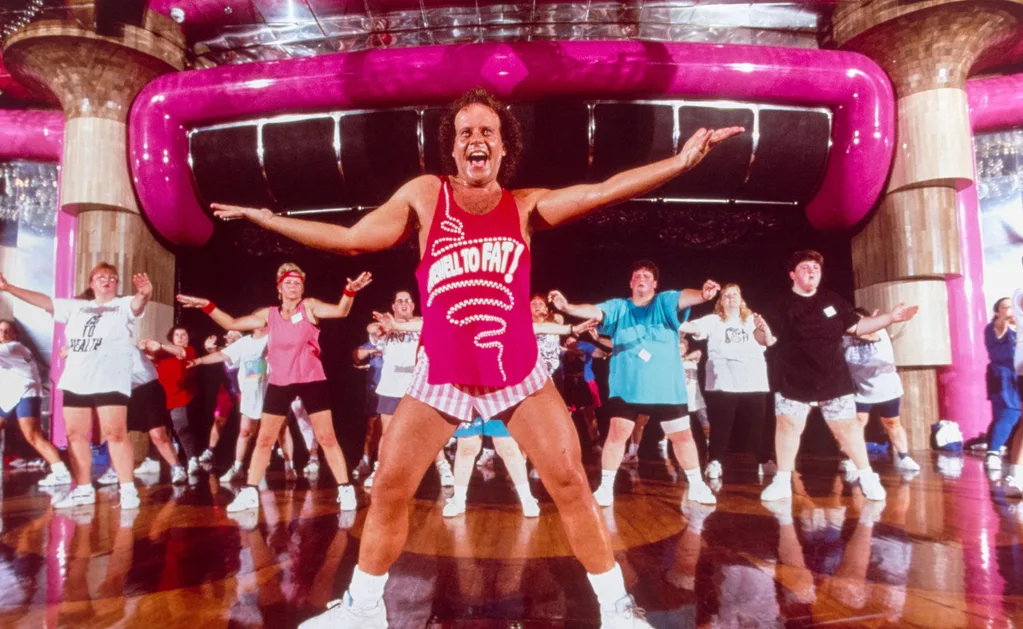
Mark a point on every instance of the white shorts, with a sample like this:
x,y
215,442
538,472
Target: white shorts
x,y
465,403
834,409
251,404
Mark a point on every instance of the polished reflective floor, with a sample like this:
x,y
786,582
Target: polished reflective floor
x,y
943,551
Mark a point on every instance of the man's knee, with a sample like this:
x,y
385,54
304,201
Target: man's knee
x,y
891,423
620,430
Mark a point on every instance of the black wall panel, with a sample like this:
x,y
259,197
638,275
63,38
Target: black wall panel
x,y
301,164
722,172
791,155
226,167
379,152
556,144
630,135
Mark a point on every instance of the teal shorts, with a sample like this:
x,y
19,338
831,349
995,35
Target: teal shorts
x,y
481,427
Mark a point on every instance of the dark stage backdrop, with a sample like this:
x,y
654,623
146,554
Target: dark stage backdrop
x,y
589,261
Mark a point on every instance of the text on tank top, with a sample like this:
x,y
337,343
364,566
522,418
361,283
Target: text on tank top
x,y
293,349
474,281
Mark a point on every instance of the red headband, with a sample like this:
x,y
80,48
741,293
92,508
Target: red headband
x,y
290,274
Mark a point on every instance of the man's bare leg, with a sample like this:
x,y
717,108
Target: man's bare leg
x,y
542,425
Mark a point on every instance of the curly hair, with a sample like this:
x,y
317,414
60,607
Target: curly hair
x,y
719,307
511,133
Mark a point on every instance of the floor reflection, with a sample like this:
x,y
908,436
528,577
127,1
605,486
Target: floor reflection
x,y
943,551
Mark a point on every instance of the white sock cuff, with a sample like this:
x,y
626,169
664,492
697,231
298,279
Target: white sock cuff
x,y
366,590
129,487
608,586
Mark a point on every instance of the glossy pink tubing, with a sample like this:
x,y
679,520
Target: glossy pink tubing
x,y
853,87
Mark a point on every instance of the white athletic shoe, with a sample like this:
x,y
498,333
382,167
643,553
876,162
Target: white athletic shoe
x,y
700,492
625,615
870,483
767,469
206,460
908,465
233,473
178,475
246,520
81,495
714,470
453,508
109,477
247,498
777,490
605,495
149,466
193,466
341,615
130,500
368,483
312,468
993,461
531,508
1014,486
53,479
346,498
447,479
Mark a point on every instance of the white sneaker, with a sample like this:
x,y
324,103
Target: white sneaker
x,y
777,490
178,475
109,477
870,483
312,468
81,495
206,460
454,508
700,492
1014,486
341,615
366,484
193,466
447,479
605,495
846,466
487,458
714,469
149,466
247,498
993,461
531,508
767,469
53,479
233,473
246,520
346,498
130,500
908,465
625,615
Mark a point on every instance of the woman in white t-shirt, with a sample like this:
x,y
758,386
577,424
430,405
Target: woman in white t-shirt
x,y
871,361
247,354
97,374
736,376
21,394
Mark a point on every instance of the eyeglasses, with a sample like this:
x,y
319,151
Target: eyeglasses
x,y
105,278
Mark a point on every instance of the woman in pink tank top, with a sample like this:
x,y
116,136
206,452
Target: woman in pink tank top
x,y
295,371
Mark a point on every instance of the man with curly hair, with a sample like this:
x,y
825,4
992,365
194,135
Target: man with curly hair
x,y
478,355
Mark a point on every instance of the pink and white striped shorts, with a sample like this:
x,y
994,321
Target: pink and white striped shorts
x,y
467,402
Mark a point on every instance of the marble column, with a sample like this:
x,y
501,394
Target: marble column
x,y
911,249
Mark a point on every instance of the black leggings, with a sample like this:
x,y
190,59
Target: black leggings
x,y
722,409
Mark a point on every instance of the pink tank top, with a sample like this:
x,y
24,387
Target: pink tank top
x,y
474,285
293,349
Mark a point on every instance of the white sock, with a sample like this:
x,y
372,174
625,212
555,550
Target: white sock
x,y
860,472
237,466
783,477
525,495
609,587
694,476
365,458
288,466
129,488
59,468
461,491
633,448
1014,470
607,478
366,590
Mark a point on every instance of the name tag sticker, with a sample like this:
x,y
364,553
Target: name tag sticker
x,y
644,355
296,318
830,311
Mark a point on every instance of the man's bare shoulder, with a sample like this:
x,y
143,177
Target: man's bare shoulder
x,y
526,198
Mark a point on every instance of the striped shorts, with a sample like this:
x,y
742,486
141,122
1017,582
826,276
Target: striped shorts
x,y
467,402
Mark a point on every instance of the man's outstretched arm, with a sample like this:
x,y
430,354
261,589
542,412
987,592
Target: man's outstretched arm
x,y
380,229
555,207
